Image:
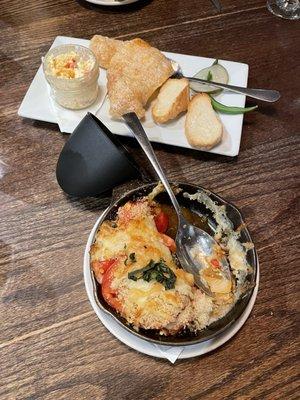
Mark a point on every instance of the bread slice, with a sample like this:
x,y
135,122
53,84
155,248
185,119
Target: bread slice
x,y
203,128
173,98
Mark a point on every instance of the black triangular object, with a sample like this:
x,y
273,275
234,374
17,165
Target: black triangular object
x,y
93,161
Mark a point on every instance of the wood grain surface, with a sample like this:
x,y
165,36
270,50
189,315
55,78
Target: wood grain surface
x,y
52,346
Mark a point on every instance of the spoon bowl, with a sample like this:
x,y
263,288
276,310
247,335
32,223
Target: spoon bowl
x,y
195,248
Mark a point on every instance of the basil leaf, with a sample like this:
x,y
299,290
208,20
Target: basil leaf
x,y
158,271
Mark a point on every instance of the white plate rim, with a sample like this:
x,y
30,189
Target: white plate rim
x,y
151,349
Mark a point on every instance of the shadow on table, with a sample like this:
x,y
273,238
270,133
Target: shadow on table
x,y
43,125
94,204
268,109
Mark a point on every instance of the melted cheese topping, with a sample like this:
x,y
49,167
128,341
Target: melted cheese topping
x,y
144,304
148,305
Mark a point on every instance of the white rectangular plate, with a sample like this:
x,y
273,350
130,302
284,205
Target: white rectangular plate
x,y
36,104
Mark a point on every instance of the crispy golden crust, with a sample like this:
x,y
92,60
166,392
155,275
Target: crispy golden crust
x,y
144,304
131,241
104,48
136,70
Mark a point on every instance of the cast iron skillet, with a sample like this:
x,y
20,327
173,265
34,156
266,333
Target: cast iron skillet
x,y
186,337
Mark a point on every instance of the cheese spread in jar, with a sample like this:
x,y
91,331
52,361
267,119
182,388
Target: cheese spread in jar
x,y
72,72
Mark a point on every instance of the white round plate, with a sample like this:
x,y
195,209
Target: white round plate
x,y
111,2
148,348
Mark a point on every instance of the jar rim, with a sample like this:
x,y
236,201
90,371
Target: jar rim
x,y
69,47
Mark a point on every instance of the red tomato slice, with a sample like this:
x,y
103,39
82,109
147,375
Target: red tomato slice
x,y
101,266
108,293
162,222
107,264
169,242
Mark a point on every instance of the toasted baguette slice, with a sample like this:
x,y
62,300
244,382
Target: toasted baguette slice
x,y
203,129
173,98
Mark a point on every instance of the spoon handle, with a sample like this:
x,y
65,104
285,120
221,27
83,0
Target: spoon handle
x,y
261,94
138,132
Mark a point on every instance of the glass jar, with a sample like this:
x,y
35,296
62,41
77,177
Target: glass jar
x,y
72,72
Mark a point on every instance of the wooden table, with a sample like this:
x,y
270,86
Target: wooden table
x,y
52,344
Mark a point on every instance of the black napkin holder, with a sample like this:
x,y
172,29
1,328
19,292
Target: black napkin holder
x,y
93,161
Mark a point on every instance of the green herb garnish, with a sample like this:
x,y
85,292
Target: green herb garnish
x,y
158,271
215,62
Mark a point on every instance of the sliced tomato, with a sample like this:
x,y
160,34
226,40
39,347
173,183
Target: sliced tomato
x,y
162,222
110,295
169,242
102,266
107,264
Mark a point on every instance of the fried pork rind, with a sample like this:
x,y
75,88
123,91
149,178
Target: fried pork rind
x,y
134,71
104,49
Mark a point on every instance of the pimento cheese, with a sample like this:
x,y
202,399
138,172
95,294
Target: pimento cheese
x,y
69,65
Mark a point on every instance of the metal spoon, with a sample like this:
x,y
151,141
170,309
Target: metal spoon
x,y
261,94
188,236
